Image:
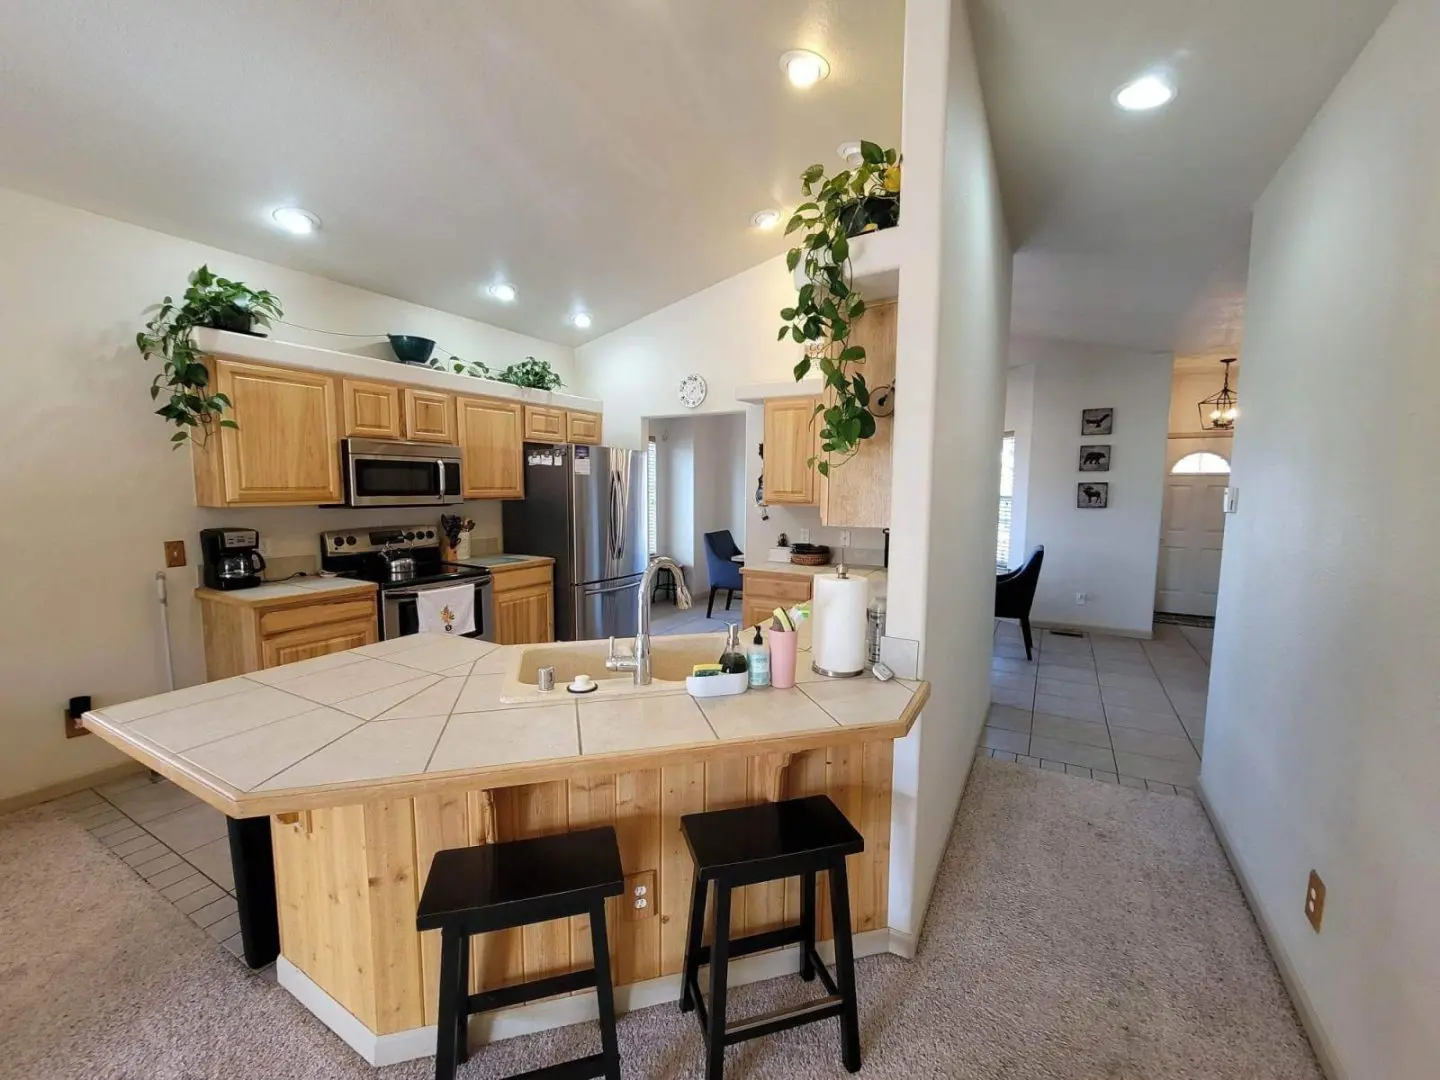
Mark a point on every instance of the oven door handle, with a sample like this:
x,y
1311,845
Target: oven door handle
x,y
410,594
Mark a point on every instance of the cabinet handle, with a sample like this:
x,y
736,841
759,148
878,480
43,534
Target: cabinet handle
x,y
441,496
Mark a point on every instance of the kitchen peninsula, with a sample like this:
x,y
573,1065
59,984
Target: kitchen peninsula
x,y
367,762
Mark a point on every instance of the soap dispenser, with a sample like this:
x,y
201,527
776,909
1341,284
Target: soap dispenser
x,y
759,657
732,660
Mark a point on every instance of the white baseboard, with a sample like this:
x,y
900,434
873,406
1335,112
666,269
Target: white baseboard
x,y
392,1049
1083,628
1309,1019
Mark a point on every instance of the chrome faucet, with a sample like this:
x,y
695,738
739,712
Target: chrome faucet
x,y
639,659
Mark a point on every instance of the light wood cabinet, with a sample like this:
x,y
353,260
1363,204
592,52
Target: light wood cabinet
x,y
370,410
765,590
243,635
582,427
429,416
524,602
543,424
491,446
286,446
789,445
856,495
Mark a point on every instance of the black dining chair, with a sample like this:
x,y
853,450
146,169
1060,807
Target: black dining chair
x,y
1015,593
720,552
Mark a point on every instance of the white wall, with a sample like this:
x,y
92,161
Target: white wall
x,y
700,480
1322,745
1109,554
951,352
1020,419
92,487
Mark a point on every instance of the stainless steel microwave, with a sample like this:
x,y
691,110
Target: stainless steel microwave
x,y
382,473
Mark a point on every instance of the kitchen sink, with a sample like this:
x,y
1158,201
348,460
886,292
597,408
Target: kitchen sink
x,y
671,661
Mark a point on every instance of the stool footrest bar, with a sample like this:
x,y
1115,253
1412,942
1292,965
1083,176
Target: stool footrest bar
x,y
782,1019
507,996
586,1068
770,939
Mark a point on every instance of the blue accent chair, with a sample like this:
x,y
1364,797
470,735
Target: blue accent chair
x,y
720,549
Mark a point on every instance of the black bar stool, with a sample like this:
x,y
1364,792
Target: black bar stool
x,y
498,886
746,846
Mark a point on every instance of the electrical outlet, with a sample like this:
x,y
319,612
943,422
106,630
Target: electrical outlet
x,y
77,708
1315,900
844,537
1081,599
640,895
804,536
174,553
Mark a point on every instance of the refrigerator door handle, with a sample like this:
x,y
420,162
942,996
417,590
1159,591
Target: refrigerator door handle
x,y
586,590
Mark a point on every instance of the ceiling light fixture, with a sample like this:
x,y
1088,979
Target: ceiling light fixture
x,y
581,320
1145,93
502,291
1218,412
804,68
765,219
295,221
850,154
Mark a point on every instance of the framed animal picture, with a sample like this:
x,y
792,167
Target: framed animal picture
x,y
1092,495
1095,459
1097,421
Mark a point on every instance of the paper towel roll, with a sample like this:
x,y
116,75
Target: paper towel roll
x,y
837,644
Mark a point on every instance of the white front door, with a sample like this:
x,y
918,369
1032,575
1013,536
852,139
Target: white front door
x,y
1192,525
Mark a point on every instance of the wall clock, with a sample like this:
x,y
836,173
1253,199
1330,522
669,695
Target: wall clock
x,y
882,401
692,391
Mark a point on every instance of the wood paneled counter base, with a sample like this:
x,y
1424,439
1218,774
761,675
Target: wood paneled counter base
x,y
351,854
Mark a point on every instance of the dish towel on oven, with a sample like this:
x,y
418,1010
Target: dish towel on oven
x,y
446,611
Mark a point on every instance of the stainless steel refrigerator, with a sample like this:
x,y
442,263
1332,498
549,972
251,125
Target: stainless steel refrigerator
x,y
584,507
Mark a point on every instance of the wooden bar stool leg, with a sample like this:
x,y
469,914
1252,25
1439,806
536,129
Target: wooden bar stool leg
x,y
462,1017
807,925
719,965
694,935
604,991
845,967
446,1040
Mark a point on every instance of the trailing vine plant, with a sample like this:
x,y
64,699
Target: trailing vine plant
x,y
826,307
209,301
536,374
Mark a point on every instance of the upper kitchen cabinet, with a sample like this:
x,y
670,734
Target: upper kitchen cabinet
x,y
492,437
544,424
371,410
285,449
856,494
582,427
789,445
429,416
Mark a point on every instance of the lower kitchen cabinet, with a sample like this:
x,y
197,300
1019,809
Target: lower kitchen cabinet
x,y
765,590
244,634
524,602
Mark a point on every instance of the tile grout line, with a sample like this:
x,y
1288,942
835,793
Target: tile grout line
x,y
1199,754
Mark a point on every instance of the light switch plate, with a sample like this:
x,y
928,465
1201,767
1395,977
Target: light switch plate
x,y
174,553
1232,500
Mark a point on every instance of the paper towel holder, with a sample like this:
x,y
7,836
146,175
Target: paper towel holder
x,y
842,572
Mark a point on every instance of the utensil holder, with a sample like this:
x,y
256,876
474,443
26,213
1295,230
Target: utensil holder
x,y
783,647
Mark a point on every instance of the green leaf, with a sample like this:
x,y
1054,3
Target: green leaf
x,y
871,153
867,425
840,249
806,207
891,157
813,173
792,259
788,314
179,436
802,368
857,308
862,392
798,335
795,222
824,468
230,424
780,337
852,353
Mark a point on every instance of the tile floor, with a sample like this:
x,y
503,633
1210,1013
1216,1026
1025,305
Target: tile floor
x,y
1114,709
170,839
666,618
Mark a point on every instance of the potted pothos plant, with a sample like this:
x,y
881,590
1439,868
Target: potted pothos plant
x,y
532,373
210,301
851,202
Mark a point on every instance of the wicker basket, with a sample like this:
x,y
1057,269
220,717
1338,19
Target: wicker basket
x,y
810,560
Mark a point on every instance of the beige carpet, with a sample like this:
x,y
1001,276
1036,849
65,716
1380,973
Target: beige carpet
x,y
1079,930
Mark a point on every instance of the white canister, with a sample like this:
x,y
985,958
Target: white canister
x,y
837,640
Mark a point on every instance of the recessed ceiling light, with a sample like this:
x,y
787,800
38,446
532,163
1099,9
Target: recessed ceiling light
x,y
295,221
804,68
765,219
502,291
581,320
1145,93
849,153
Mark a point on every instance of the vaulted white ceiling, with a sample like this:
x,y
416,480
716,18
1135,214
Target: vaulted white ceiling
x,y
1133,229
599,154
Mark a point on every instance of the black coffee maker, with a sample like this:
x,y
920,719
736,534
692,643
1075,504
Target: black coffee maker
x,y
231,558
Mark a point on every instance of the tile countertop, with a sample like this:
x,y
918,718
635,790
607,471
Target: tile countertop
x,y
423,713
291,590
500,563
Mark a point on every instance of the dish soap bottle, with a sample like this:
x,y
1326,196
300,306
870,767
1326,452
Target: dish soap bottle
x,y
732,660
759,656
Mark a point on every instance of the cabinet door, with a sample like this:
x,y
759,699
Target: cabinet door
x,y
582,427
312,641
491,445
544,425
525,616
429,416
789,445
857,494
286,448
371,409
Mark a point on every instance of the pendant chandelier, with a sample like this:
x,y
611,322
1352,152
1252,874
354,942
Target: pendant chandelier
x,y
1218,412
